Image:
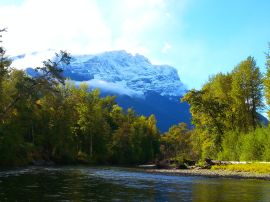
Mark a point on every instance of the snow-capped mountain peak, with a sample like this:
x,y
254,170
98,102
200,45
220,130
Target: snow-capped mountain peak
x,y
120,72
133,72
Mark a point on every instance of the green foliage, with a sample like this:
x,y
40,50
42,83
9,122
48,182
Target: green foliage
x,y
209,148
267,80
4,68
207,112
226,107
231,146
252,146
247,94
250,167
135,141
175,144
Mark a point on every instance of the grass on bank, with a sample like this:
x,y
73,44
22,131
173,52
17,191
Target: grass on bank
x,y
250,167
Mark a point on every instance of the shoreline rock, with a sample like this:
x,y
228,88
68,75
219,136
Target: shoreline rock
x,y
210,173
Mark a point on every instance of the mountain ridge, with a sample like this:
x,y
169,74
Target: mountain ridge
x,y
134,72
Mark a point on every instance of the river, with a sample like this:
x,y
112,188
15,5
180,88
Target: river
x,y
122,184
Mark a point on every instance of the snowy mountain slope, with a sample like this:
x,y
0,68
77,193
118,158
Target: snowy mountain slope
x,y
133,73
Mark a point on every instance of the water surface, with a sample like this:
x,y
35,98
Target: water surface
x,y
120,184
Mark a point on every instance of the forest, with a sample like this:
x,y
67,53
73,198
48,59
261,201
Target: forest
x,y
48,118
226,117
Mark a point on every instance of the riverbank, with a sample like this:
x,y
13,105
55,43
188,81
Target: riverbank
x,y
237,171
85,183
211,173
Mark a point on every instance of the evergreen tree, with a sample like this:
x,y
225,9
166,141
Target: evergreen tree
x,y
267,81
247,94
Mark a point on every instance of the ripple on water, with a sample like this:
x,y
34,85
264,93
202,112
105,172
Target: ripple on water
x,y
117,184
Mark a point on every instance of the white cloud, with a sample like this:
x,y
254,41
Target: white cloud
x,y
33,60
62,24
110,87
166,47
93,26
79,26
141,4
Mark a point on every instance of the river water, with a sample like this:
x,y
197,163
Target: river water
x,y
121,184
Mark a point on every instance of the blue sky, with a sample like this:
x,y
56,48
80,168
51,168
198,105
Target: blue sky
x,y
198,37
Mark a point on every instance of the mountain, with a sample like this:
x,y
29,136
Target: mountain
x,y
119,69
168,111
147,88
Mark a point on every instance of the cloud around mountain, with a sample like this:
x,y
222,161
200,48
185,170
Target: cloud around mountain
x,y
110,87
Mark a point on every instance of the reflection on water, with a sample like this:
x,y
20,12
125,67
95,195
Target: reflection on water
x,y
118,184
